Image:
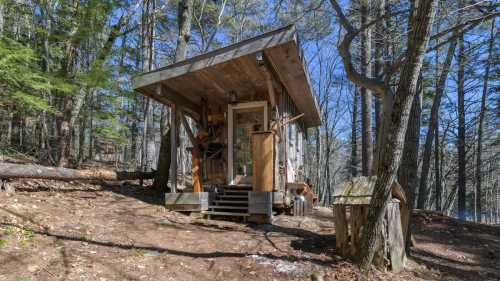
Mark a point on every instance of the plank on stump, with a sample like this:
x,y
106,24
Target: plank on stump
x,y
341,230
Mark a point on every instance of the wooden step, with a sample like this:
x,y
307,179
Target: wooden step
x,y
231,201
215,213
232,196
228,207
235,191
247,187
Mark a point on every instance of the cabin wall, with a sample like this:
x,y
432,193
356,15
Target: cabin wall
x,y
291,147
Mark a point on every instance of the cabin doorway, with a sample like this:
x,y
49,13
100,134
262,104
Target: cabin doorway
x,y
243,120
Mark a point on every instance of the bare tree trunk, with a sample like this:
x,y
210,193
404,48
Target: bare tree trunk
x,y
408,171
64,133
354,135
392,147
91,128
2,16
15,129
461,181
366,97
318,159
148,33
81,140
437,171
480,126
378,68
426,158
184,17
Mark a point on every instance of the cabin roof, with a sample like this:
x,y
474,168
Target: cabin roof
x,y
359,190
236,69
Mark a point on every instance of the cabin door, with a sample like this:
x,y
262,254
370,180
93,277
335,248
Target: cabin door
x,y
243,120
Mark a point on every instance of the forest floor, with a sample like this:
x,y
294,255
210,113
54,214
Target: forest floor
x,y
53,230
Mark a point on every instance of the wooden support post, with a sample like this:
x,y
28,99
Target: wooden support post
x,y
230,173
270,86
173,147
195,154
188,129
204,114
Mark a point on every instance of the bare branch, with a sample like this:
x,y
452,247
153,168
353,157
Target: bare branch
x,y
472,23
376,85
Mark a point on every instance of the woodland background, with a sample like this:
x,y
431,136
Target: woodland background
x,y
66,98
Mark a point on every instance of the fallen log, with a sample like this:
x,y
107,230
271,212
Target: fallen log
x,y
17,171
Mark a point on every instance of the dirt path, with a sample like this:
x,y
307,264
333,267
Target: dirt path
x,y
101,232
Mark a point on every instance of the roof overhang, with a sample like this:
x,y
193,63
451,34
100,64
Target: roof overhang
x,y
235,69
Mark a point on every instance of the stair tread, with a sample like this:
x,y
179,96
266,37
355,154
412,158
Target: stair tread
x,y
233,196
228,207
225,213
231,201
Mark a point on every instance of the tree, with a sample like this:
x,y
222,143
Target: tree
x,y
354,134
433,122
396,111
461,180
185,14
366,97
480,126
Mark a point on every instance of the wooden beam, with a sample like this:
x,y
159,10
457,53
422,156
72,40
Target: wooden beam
x,y
270,86
166,96
272,79
182,102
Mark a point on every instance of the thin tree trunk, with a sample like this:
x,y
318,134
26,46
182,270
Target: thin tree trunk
x,y
15,129
378,68
480,126
366,97
148,34
318,159
354,135
426,158
437,171
2,17
461,181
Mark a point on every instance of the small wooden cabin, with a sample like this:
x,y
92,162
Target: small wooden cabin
x,y
350,208
251,103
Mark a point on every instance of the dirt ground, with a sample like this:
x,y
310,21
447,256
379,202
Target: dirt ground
x,y
80,231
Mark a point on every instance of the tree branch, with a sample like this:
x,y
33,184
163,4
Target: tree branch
x,y
472,22
376,85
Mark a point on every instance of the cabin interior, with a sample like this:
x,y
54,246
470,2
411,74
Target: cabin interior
x,y
249,107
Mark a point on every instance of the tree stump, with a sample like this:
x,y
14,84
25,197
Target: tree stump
x,y
350,208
